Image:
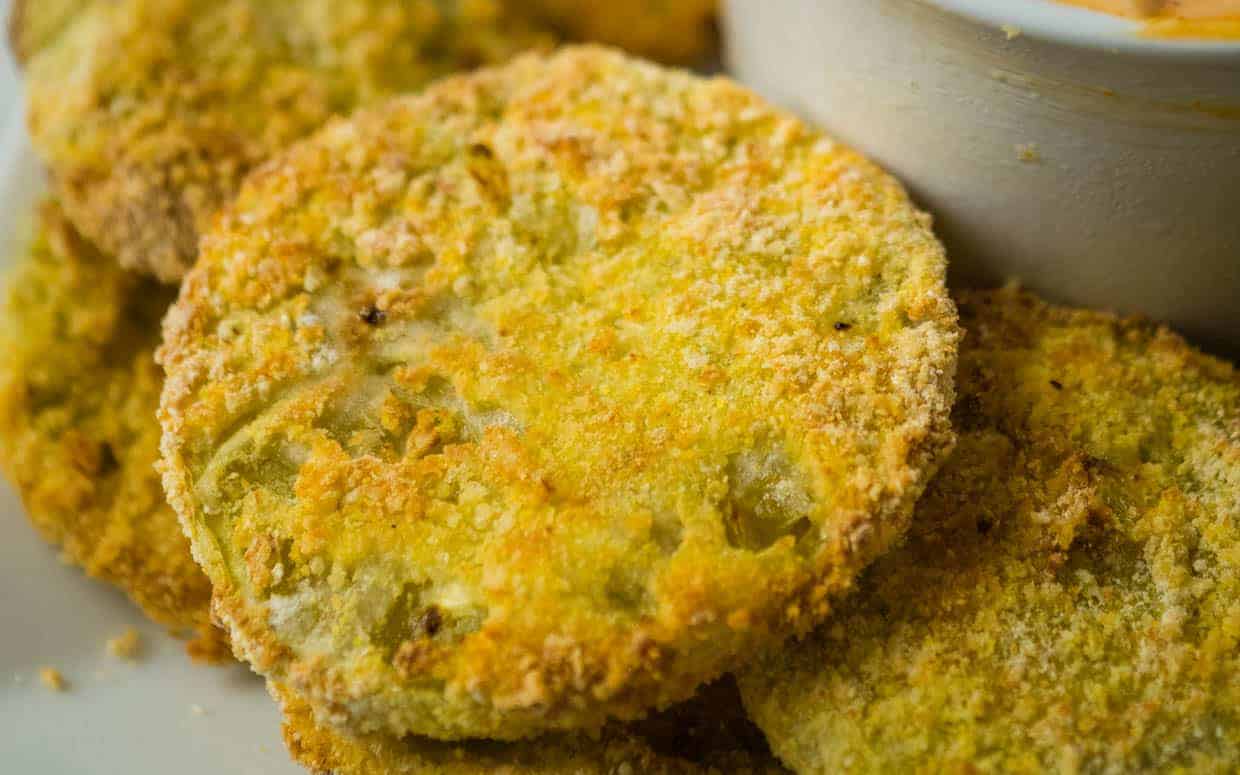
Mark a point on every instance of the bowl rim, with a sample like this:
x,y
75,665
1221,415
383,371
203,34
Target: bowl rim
x,y
1080,27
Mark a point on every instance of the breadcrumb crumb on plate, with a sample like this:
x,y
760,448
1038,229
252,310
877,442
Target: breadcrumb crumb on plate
x,y
545,396
79,438
53,679
1069,596
127,645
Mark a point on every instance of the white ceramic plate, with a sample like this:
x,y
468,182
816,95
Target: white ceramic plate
x,y
161,714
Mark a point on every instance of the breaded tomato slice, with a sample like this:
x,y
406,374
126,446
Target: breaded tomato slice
x,y
150,112
708,735
79,391
1069,596
547,395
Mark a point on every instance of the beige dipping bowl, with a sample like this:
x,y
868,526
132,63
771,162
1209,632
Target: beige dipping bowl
x,y
1056,146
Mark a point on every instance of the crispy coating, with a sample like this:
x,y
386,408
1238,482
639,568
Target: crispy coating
x,y
671,31
1069,596
540,398
704,736
150,112
33,23
79,389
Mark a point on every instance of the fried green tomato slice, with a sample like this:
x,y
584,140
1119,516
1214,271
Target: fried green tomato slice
x,y
79,391
150,112
670,31
540,398
1069,596
708,735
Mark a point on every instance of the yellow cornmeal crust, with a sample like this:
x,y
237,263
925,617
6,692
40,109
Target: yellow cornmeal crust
x,y
669,31
1069,596
79,389
544,397
31,23
150,112
708,735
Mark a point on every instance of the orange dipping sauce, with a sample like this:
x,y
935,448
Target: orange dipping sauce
x,y
1217,19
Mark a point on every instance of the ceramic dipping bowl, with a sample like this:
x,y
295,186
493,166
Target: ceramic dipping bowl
x,y
1067,149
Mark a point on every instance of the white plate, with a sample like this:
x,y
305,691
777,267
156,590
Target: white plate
x,y
162,714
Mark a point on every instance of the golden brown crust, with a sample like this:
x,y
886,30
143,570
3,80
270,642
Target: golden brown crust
x,y
16,25
540,398
150,112
706,736
671,31
79,388
1069,596
32,26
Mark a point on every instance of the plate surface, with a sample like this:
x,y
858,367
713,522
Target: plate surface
x,y
159,714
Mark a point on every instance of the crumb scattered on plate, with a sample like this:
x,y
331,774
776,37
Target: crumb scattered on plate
x,y
53,679
127,645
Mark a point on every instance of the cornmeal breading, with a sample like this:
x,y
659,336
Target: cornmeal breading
x,y
708,735
33,23
150,112
671,31
79,389
543,397
1069,597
